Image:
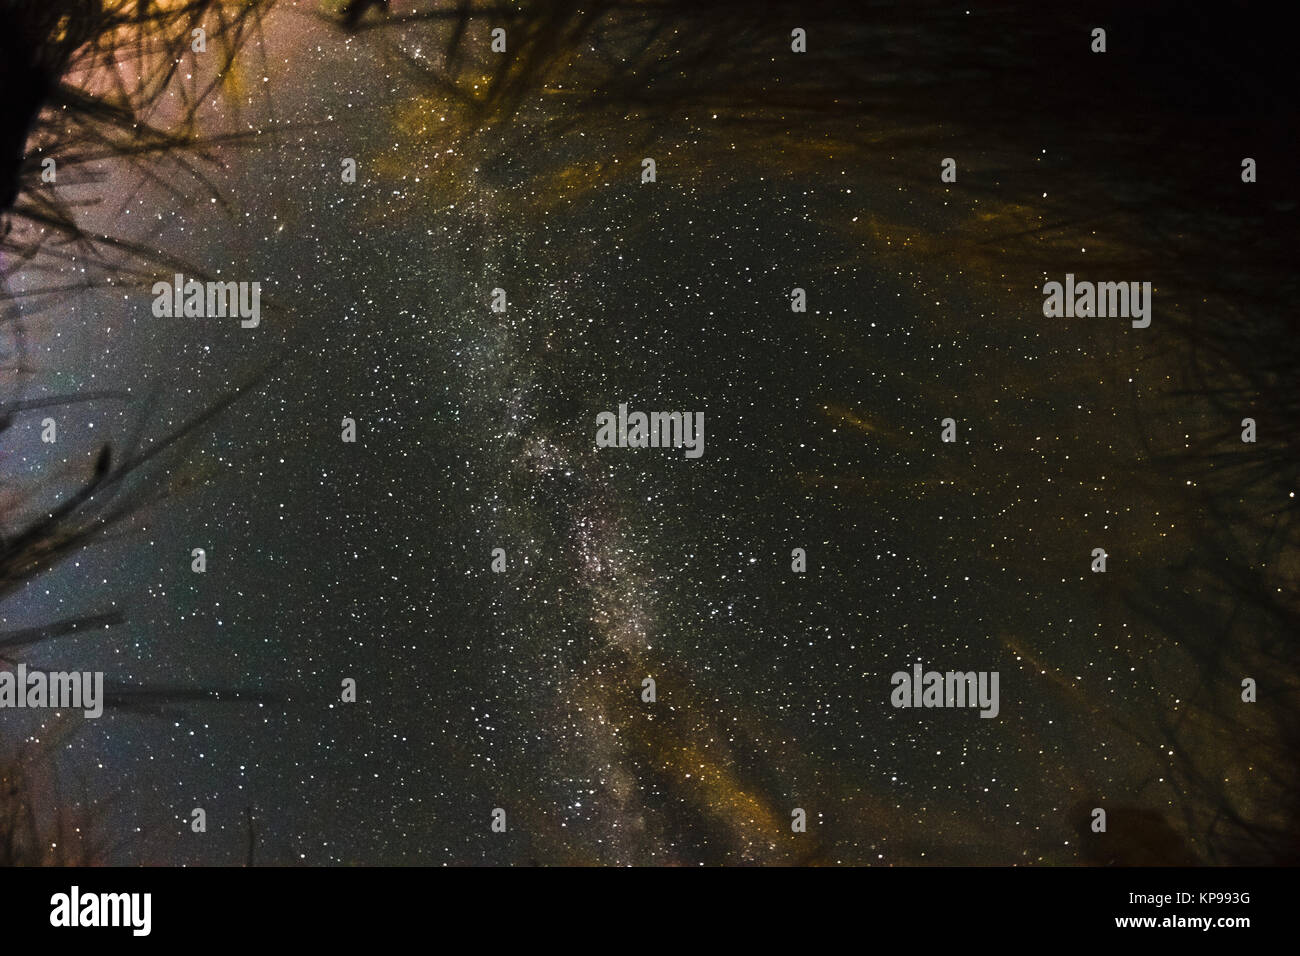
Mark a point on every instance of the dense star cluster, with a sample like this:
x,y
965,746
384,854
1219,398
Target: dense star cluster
x,y
643,656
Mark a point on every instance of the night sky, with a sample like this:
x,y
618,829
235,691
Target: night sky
x,y
475,429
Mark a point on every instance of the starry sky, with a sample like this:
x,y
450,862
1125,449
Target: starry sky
x,y
522,689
